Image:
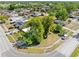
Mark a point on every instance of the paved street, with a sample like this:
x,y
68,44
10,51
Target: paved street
x,y
4,42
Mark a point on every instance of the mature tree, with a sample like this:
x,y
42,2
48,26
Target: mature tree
x,y
62,14
71,6
35,35
37,29
58,28
47,22
11,7
40,27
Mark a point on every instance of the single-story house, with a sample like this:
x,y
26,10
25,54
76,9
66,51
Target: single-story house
x,y
36,14
13,13
17,19
18,24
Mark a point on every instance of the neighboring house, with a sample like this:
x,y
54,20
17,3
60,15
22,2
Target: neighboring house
x,y
24,12
18,21
18,24
36,14
74,14
26,29
13,13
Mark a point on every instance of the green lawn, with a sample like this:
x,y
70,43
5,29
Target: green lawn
x,y
10,38
54,46
35,50
14,36
68,32
73,25
75,52
52,38
32,50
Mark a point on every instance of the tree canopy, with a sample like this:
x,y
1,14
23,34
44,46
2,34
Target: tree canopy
x,y
62,14
40,27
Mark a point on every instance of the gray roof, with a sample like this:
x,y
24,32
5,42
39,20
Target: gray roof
x,y
17,19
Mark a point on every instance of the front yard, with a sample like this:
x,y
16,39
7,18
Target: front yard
x,y
32,50
10,38
14,36
52,38
49,41
44,43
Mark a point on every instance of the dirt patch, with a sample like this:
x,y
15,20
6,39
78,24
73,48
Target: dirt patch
x,y
52,38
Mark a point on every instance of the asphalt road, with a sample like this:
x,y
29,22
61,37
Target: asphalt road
x,y
4,42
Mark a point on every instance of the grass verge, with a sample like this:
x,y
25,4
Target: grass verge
x,y
32,50
54,47
10,38
75,53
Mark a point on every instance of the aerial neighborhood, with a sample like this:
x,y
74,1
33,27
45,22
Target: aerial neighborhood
x,y
39,29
